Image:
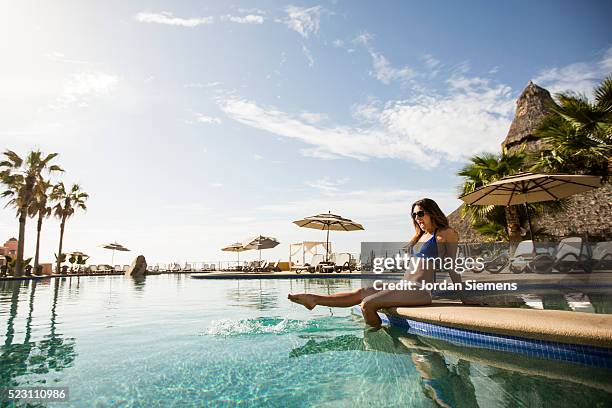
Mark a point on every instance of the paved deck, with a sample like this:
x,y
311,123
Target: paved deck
x,y
549,325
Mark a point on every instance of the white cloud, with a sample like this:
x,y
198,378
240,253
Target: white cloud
x,y
257,157
579,77
200,85
338,43
363,38
314,118
308,56
606,61
305,21
385,73
382,68
424,130
207,119
326,184
430,61
166,17
84,86
251,11
216,184
60,57
248,19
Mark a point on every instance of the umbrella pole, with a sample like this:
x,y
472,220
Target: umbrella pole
x,y
327,245
113,258
530,227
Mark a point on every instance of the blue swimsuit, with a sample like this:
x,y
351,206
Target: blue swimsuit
x,y
429,248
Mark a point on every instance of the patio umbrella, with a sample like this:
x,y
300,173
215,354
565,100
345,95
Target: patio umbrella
x,y
524,188
235,247
328,222
114,246
260,242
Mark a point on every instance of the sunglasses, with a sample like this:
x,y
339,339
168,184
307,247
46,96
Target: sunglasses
x,y
419,214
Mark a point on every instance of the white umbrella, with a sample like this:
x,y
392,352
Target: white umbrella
x,y
235,247
260,242
114,246
526,188
328,222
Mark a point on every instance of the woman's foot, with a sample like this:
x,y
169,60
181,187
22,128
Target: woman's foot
x,y
304,299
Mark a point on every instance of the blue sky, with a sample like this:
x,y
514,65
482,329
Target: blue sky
x,y
197,124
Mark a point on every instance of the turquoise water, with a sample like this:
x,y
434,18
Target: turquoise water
x,y
174,341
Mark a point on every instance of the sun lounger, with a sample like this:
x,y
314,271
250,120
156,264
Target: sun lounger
x,y
315,263
524,259
602,256
571,255
275,266
343,262
3,271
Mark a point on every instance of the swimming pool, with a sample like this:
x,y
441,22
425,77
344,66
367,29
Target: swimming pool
x,y
174,341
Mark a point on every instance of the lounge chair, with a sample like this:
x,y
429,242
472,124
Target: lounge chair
x,y
263,266
315,263
571,255
93,269
212,267
602,256
343,262
524,259
187,268
3,271
275,266
27,270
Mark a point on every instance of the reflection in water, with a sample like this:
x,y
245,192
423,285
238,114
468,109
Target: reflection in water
x,y
18,359
454,376
254,295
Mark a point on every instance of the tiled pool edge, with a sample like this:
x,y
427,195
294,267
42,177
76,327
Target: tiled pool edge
x,y
573,353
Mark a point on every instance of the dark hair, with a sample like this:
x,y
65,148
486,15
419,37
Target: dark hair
x,y
437,216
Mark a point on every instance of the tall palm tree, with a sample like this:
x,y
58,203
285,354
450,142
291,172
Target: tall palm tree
x,y
20,177
482,170
68,201
578,133
40,207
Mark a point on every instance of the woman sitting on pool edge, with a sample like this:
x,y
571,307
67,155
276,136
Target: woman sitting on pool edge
x,y
433,237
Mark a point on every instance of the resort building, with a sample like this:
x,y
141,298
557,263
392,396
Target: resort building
x,y
9,247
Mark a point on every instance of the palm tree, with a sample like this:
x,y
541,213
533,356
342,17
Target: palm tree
x,y
40,207
482,170
578,133
20,177
68,201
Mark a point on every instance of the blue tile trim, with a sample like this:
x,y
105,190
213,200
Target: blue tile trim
x,y
573,353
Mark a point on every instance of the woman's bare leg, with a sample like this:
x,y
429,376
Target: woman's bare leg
x,y
343,299
391,298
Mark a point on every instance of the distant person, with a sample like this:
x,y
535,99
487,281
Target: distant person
x,y
433,238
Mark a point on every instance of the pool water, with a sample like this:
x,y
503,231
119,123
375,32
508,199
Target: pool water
x,y
174,341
